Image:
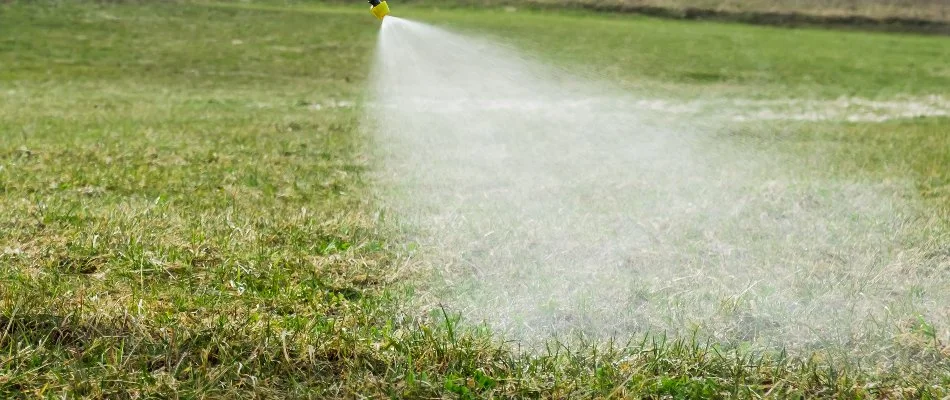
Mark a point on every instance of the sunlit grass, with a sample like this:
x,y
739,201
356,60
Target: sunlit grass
x,y
186,207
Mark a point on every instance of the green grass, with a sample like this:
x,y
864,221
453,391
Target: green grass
x,y
187,211
704,58
712,59
934,10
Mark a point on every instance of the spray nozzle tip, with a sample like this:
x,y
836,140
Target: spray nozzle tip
x,y
380,9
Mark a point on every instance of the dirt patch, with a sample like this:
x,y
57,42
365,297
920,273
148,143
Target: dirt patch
x,y
844,109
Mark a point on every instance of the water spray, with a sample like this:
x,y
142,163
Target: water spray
x,y
545,204
379,8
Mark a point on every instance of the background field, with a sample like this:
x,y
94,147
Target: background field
x,y
839,11
187,205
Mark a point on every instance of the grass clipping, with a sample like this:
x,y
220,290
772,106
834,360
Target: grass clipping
x,y
545,205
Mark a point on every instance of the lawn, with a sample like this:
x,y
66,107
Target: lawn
x,y
889,15
188,208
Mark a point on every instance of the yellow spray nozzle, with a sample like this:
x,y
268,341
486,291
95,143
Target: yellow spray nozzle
x,y
380,10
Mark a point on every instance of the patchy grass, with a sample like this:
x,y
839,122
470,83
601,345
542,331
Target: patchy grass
x,y
185,207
